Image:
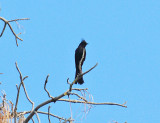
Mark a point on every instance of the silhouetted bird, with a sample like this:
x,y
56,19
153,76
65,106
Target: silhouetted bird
x,y
80,55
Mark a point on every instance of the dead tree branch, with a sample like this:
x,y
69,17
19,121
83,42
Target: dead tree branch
x,y
79,96
27,94
80,76
45,86
18,88
45,103
15,109
58,97
37,117
19,19
32,120
80,89
68,92
60,118
6,22
93,103
49,114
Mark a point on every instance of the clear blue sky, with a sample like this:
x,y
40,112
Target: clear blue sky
x,y
123,37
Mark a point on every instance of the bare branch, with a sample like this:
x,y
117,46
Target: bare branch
x,y
79,96
89,70
80,76
15,109
25,78
68,81
37,117
19,19
32,120
18,88
73,101
19,72
58,97
94,103
8,23
44,103
60,118
27,94
45,86
22,83
80,89
48,114
16,39
3,29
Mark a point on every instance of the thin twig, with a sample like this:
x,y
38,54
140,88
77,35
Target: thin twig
x,y
79,96
25,78
60,118
19,19
16,39
5,24
37,117
27,94
94,103
80,76
18,88
68,81
15,109
48,114
80,89
70,108
45,86
32,120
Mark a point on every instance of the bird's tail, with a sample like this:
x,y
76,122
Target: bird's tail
x,y
80,81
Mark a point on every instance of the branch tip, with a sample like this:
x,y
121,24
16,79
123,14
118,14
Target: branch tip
x,y
68,81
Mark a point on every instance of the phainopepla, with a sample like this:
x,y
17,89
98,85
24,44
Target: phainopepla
x,y
80,55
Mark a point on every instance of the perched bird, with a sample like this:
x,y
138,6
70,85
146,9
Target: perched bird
x,y
80,55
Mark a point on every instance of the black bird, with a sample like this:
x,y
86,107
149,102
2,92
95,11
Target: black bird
x,y
80,55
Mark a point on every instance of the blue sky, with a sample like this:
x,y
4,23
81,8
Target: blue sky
x,y
123,38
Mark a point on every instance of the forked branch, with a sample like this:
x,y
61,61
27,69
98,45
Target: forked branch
x,y
6,22
68,92
55,98
18,89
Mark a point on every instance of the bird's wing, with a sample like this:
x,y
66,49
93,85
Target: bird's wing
x,y
78,55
